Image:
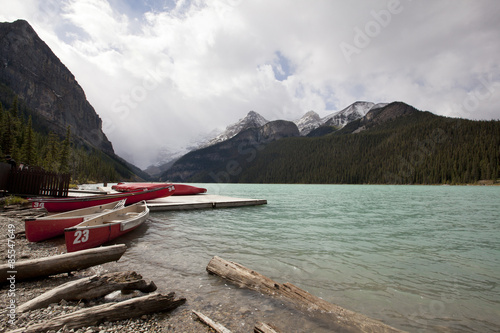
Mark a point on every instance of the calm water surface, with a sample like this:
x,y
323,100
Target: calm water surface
x,y
419,258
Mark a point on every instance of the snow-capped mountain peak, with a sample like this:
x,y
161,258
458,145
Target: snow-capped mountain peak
x,y
310,121
350,113
252,120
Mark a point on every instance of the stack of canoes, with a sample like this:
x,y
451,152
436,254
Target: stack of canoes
x,y
88,227
46,227
90,221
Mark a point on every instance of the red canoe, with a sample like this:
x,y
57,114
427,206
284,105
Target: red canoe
x,y
50,226
65,204
104,228
180,189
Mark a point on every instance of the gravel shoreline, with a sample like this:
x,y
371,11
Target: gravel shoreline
x,y
178,320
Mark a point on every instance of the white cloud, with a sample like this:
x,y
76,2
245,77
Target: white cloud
x,y
159,73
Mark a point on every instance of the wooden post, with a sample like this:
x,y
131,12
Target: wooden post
x,y
61,263
248,278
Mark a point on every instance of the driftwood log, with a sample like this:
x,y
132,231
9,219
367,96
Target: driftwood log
x,y
212,324
62,263
88,288
261,327
95,315
248,278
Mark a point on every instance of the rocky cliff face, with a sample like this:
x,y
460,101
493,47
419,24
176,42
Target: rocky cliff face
x,y
36,75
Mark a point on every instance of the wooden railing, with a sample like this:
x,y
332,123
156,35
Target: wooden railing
x,y
36,181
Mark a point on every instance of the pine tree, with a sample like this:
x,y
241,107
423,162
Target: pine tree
x,y
2,117
14,109
50,162
28,151
65,153
7,140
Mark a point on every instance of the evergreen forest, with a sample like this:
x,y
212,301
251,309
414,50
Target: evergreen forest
x,y
24,138
420,148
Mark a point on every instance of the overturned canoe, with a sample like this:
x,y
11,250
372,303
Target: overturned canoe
x,y
180,189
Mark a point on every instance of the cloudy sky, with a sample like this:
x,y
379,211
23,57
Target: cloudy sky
x,y
162,73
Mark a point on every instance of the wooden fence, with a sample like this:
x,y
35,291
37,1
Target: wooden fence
x,y
36,181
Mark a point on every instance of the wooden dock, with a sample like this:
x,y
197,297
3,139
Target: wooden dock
x,y
200,201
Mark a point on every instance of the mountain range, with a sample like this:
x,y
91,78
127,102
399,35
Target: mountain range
x,y
362,143
311,124
392,143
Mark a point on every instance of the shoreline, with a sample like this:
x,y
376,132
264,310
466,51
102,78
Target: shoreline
x,y
178,320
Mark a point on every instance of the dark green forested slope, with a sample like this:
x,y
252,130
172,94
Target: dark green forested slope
x,y
414,148
24,137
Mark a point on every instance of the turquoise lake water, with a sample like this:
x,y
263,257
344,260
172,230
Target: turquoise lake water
x,y
419,258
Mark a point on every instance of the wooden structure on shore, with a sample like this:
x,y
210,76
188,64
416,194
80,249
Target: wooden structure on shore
x,y
33,181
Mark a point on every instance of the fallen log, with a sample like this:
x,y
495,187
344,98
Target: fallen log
x,y
244,277
212,324
88,288
62,263
261,327
95,315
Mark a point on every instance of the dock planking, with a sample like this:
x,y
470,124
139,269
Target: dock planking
x,y
200,201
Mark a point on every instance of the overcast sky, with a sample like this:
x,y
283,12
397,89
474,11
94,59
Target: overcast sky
x,y
162,73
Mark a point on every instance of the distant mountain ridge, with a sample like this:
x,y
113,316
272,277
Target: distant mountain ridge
x,y
310,122
307,123
353,112
251,120
391,144
225,159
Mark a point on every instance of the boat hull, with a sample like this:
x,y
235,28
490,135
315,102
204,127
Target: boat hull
x,y
189,190
100,230
37,231
180,189
43,228
67,204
